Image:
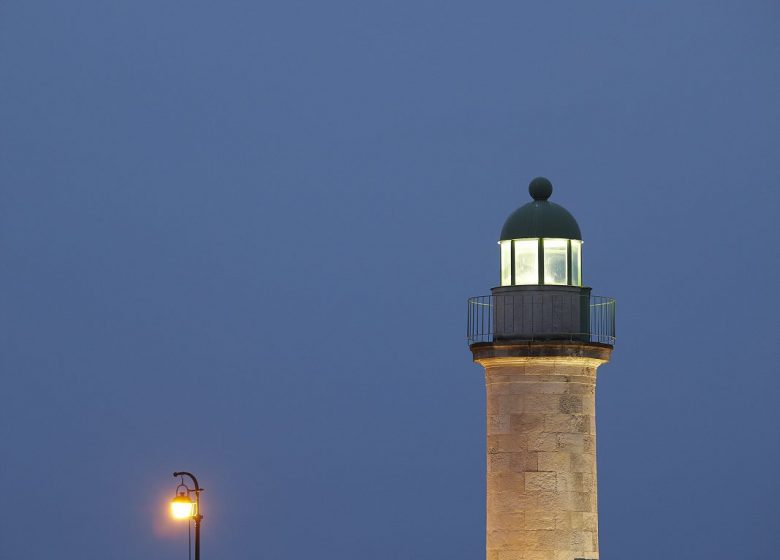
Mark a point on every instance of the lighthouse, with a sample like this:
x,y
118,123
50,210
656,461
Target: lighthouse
x,y
540,337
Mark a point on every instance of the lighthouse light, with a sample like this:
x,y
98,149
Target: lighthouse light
x,y
506,263
526,261
555,261
576,262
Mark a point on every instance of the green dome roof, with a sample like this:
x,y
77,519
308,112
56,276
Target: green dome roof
x,y
540,218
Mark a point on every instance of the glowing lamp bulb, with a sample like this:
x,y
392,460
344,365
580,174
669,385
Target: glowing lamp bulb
x,y
182,507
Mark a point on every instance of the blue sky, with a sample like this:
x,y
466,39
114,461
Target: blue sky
x,y
237,238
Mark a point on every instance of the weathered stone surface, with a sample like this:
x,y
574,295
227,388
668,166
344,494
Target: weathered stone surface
x,y
528,422
541,482
555,461
584,520
569,482
510,501
583,462
542,442
499,462
508,404
525,461
520,555
506,482
573,443
570,404
506,521
540,520
565,423
499,424
507,442
589,444
542,402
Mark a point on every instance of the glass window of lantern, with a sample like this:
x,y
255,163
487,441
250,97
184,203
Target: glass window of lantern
x,y
576,262
526,261
506,263
555,258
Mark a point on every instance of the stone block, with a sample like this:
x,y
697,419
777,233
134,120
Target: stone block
x,y
565,501
540,520
547,387
580,389
510,404
569,482
557,461
526,555
510,502
570,404
509,442
573,443
580,501
498,386
510,521
589,406
551,501
540,481
574,539
506,482
548,540
507,539
524,462
565,423
589,443
540,555
583,462
542,403
527,422
499,462
562,520
543,442
498,424
588,482
586,521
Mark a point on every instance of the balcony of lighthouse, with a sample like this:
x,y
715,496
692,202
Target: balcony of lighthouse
x,y
541,314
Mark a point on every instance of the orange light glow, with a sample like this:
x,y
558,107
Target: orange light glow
x,y
182,507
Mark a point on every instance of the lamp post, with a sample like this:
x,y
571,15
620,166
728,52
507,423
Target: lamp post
x,y
182,506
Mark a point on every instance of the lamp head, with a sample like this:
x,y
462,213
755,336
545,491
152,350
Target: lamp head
x,y
182,507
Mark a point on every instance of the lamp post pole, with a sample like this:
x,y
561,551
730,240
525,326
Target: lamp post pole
x,y
197,517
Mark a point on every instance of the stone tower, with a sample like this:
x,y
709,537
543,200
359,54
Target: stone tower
x,y
541,336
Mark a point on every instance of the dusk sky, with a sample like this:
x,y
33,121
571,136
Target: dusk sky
x,y
237,238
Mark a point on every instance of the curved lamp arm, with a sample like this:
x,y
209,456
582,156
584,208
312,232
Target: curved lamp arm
x,y
192,477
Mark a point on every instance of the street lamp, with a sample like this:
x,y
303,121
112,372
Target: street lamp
x,y
182,506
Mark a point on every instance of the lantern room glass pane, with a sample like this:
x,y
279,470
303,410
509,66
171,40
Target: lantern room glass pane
x,y
526,261
506,263
576,262
555,261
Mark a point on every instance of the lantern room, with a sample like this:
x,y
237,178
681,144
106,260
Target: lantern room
x,y
541,243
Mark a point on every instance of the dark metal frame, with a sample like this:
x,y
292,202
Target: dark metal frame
x,y
540,263
598,324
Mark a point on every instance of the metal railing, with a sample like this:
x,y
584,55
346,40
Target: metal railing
x,y
540,316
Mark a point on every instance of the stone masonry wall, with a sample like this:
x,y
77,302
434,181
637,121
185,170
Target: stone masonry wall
x,y
541,458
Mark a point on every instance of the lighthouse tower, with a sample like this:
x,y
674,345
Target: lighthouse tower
x,y
541,336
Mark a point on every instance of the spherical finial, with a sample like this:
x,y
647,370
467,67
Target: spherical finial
x,y
540,188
